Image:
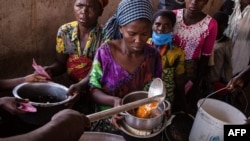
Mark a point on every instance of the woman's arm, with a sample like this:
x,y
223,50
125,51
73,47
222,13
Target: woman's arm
x,y
58,67
11,83
104,99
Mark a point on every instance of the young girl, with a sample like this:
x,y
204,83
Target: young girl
x,y
195,32
172,57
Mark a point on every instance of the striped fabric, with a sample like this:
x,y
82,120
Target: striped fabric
x,y
127,11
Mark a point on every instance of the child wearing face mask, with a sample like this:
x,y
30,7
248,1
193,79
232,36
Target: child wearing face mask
x,y
172,57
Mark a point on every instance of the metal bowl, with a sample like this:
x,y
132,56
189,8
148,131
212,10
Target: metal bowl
x,y
48,98
144,123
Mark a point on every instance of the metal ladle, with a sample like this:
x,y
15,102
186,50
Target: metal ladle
x,y
156,93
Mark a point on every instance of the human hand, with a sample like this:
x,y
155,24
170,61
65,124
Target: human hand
x,y
73,120
248,120
115,119
11,105
35,78
235,84
74,91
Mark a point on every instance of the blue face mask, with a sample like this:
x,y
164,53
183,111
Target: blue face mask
x,y
162,39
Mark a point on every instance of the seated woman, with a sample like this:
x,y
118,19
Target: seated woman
x,y
172,58
126,63
77,42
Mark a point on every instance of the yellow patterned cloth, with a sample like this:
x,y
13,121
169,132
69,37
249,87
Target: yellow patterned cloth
x,y
80,60
172,65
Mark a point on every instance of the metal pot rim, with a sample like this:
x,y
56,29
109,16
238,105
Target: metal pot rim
x,y
142,123
14,91
166,107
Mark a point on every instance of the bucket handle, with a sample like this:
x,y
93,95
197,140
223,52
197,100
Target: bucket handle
x,y
215,92
243,92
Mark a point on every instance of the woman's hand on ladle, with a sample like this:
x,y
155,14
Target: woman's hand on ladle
x,y
117,117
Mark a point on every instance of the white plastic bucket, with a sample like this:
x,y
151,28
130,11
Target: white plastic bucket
x,y
210,119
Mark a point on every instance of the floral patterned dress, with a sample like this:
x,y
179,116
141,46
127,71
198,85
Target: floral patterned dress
x,y
80,61
196,39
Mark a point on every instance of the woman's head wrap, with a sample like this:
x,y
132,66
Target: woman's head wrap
x,y
127,11
103,2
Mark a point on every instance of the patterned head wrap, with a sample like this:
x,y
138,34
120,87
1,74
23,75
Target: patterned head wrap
x,y
127,11
103,2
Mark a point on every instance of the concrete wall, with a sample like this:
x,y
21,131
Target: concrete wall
x,y
28,30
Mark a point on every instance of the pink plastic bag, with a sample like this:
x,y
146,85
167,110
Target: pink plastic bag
x,y
39,69
188,86
27,107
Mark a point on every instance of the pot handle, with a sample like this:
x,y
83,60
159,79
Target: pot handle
x,y
167,109
123,113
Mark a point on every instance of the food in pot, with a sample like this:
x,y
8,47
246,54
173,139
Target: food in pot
x,y
44,99
146,111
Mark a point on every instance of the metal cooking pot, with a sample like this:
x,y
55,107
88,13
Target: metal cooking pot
x,y
47,97
144,123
